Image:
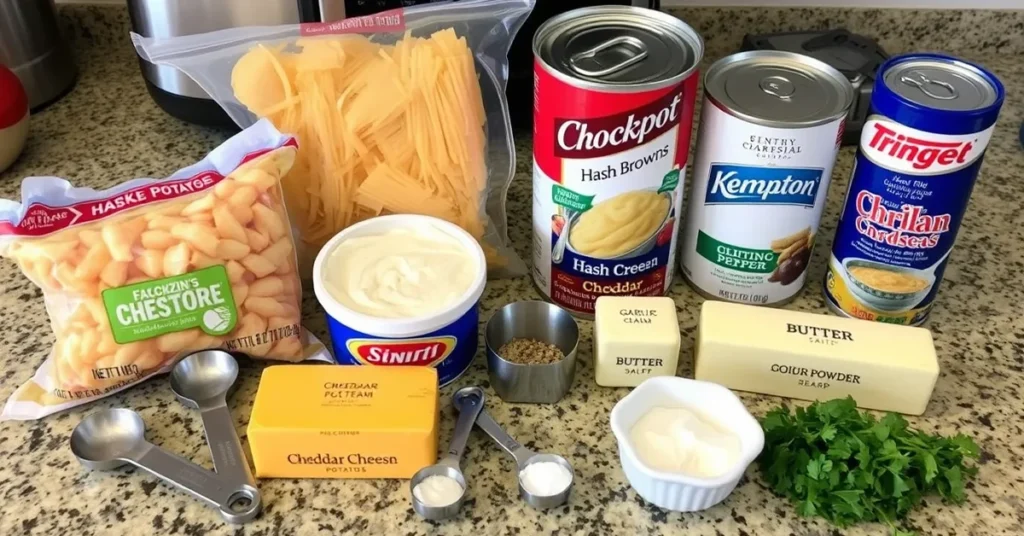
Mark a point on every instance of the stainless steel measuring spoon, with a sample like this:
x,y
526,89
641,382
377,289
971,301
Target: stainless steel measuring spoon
x,y
201,381
470,402
525,457
111,438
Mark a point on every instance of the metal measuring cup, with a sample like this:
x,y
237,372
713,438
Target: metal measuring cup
x,y
472,403
202,381
524,457
111,438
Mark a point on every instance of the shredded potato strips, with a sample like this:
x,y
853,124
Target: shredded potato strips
x,y
382,129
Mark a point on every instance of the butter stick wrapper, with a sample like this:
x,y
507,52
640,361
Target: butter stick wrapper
x,y
816,357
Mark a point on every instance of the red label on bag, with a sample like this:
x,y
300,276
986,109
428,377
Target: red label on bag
x,y
385,21
41,219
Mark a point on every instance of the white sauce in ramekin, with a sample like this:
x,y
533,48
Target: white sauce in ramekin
x,y
677,440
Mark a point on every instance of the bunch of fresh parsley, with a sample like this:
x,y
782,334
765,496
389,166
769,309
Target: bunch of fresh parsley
x,y
836,462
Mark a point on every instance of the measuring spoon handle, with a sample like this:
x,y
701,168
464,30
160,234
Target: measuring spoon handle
x,y
183,474
519,453
469,402
199,483
228,457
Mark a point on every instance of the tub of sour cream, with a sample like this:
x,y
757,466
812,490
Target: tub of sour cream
x,y
402,290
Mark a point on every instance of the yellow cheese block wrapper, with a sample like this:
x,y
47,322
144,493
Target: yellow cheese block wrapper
x,y
344,422
137,276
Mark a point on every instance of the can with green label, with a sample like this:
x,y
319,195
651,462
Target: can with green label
x,y
770,131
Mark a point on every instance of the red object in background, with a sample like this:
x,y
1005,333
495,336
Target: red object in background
x,y
13,101
13,117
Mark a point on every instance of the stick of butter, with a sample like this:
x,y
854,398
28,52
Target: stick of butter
x,y
816,357
324,421
635,338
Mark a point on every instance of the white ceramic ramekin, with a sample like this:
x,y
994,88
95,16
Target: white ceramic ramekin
x,y
717,404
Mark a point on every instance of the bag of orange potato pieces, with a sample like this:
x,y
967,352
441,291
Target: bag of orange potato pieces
x,y
137,276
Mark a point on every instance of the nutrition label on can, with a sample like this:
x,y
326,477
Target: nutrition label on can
x,y
757,195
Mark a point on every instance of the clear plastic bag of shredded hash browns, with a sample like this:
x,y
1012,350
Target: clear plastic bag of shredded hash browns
x,y
137,276
399,112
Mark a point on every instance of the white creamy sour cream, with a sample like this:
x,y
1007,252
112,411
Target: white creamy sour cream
x,y
438,490
545,479
677,440
400,273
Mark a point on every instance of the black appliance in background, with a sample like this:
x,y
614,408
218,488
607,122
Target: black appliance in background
x,y
520,56
856,56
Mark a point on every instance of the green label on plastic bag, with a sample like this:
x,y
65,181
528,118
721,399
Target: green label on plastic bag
x,y
570,199
200,299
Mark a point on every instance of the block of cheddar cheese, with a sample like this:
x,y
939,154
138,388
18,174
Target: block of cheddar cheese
x,y
325,421
816,357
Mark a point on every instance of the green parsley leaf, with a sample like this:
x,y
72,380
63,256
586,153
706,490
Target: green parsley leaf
x,y
956,485
773,420
834,461
899,487
966,445
880,431
807,508
852,496
930,467
814,469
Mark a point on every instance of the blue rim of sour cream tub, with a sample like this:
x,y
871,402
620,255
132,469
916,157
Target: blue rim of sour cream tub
x,y
399,327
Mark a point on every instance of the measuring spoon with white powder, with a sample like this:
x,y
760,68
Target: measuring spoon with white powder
x,y
545,480
438,490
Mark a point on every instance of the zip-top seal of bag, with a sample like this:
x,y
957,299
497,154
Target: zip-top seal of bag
x,y
139,275
401,112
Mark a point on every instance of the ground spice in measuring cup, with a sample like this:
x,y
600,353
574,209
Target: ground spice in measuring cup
x,y
530,352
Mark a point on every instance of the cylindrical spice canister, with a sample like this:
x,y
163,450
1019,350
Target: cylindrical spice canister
x,y
920,152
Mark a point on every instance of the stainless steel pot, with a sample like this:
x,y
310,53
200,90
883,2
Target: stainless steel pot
x,y
175,92
31,45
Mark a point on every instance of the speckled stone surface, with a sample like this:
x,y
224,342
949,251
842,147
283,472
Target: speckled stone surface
x,y
108,129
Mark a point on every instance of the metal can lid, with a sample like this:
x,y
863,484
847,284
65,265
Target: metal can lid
x,y
609,47
779,89
941,83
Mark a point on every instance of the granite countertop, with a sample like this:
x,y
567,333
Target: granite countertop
x,y
108,130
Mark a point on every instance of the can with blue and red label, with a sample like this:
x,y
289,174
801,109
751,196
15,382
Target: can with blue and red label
x,y
444,338
920,152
